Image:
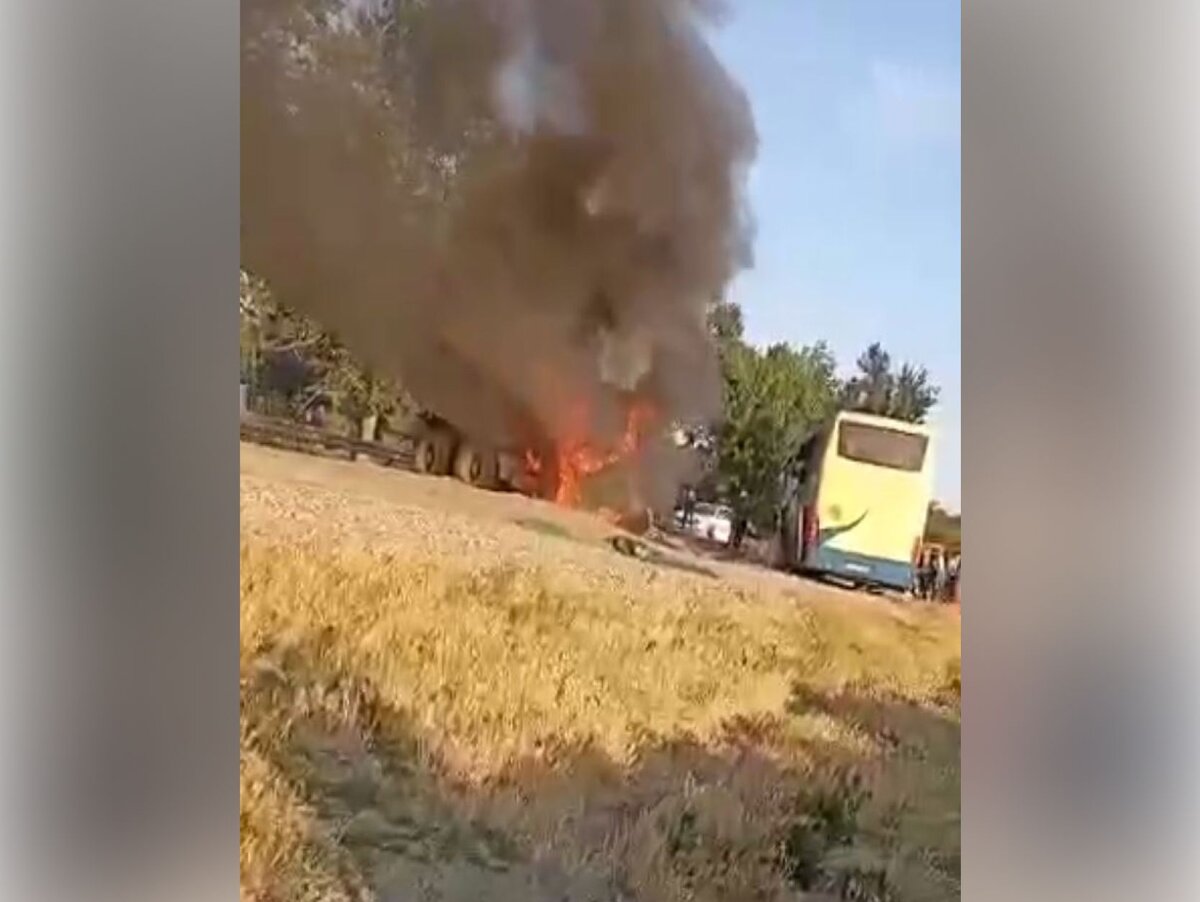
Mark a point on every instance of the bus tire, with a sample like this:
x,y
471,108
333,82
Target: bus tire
x,y
434,453
476,467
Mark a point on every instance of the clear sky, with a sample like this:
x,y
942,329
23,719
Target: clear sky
x,y
856,188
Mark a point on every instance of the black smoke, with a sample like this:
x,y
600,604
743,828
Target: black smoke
x,y
509,205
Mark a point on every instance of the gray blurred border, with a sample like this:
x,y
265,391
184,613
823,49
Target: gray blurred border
x,y
126,449
123,529
1079,159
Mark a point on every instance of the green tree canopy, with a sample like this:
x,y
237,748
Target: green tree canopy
x,y
877,388
775,397
725,323
291,356
772,399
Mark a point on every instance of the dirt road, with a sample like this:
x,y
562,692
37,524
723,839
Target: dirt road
x,y
385,508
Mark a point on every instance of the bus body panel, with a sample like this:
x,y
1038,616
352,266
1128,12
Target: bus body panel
x,y
869,517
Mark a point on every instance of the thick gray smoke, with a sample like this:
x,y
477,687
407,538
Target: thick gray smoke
x,y
512,206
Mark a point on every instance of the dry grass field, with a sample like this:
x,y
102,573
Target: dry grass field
x,y
453,695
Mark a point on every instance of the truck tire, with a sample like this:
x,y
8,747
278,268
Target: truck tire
x,y
476,467
434,453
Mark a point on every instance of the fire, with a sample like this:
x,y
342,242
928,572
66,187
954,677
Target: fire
x,y
576,457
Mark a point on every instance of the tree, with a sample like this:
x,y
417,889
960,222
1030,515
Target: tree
x,y
908,395
360,391
772,399
725,323
249,328
913,395
290,356
871,389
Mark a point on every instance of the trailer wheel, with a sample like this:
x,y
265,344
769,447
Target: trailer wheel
x,y
476,467
433,454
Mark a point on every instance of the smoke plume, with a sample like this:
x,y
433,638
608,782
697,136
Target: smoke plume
x,y
508,205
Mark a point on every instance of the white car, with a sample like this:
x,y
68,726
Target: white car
x,y
709,521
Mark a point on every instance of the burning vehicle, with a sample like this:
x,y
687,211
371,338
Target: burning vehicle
x,y
554,470
520,209
554,466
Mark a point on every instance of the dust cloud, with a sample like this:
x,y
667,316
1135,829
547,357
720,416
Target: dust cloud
x,y
511,206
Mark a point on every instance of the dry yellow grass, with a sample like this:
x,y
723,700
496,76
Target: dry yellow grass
x,y
448,706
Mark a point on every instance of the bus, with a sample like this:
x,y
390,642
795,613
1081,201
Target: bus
x,y
856,501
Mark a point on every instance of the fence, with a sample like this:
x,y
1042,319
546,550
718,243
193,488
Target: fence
x,y
292,436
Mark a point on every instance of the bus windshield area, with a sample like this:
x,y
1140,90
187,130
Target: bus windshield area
x,y
881,446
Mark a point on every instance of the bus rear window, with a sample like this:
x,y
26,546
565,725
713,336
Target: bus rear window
x,y
882,447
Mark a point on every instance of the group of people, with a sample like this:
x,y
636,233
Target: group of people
x,y
937,575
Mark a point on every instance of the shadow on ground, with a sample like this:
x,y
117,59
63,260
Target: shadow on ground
x,y
652,551
652,554
546,528
767,812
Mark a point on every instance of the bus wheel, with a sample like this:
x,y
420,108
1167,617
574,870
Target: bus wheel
x,y
475,467
433,454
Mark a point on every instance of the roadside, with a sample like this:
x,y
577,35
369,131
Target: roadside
x,y
449,694
451,510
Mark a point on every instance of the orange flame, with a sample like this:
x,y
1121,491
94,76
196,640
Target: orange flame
x,y
576,458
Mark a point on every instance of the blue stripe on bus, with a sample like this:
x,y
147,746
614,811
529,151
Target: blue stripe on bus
x,y
861,567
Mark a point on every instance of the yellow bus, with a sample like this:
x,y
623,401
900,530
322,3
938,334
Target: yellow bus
x,y
856,503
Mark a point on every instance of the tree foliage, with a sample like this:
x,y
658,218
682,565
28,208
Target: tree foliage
x,y
877,388
290,356
776,397
725,323
772,399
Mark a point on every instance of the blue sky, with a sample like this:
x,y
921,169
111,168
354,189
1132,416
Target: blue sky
x,y
856,188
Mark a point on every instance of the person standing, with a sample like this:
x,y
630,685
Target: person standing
x,y
940,574
924,573
953,576
689,507
918,574
943,578
741,521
